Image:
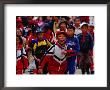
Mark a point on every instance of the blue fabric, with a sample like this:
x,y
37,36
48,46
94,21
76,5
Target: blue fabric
x,y
73,44
33,41
88,44
71,65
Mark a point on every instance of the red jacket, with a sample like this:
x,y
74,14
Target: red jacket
x,y
54,67
21,62
56,60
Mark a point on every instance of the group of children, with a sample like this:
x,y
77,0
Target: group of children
x,y
54,44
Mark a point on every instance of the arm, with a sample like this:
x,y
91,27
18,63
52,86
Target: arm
x,y
44,61
48,43
91,42
77,46
34,47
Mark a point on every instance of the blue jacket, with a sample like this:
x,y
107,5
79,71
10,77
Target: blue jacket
x,y
87,44
73,43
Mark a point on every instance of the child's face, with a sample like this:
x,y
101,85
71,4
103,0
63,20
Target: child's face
x,y
77,22
40,18
70,32
61,39
91,28
40,36
84,28
19,33
63,26
49,18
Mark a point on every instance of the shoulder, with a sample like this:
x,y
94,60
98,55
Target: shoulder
x,y
89,34
34,41
75,36
79,35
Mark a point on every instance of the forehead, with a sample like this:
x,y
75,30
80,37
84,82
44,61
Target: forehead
x,y
18,31
63,24
77,19
84,26
61,35
70,29
39,33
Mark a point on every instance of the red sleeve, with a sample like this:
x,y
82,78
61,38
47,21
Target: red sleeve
x,y
45,60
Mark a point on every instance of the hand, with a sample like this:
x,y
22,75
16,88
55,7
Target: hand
x,y
64,52
69,51
36,59
40,71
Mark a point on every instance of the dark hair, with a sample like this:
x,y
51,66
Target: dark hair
x,y
86,25
63,22
20,39
71,27
76,18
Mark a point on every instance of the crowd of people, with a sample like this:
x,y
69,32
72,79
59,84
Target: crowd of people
x,y
54,44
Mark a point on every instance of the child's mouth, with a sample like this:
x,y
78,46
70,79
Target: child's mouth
x,y
62,41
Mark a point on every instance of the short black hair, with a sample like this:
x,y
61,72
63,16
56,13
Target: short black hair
x,y
86,25
76,18
63,22
20,39
71,27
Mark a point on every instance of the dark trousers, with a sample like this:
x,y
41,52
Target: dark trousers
x,y
85,63
71,64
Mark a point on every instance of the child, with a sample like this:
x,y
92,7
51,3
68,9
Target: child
x,y
91,31
86,44
55,58
77,25
40,46
19,24
63,26
32,66
78,31
22,60
72,44
48,33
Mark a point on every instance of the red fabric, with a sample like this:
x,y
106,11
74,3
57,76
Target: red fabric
x,y
25,61
18,19
30,22
19,47
35,71
84,19
91,59
84,36
53,66
91,53
48,35
19,67
20,25
78,60
70,53
92,67
29,38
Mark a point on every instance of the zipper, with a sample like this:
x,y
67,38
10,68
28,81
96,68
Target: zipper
x,y
59,66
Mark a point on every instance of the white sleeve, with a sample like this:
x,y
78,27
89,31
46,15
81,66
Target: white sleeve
x,y
18,53
24,52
